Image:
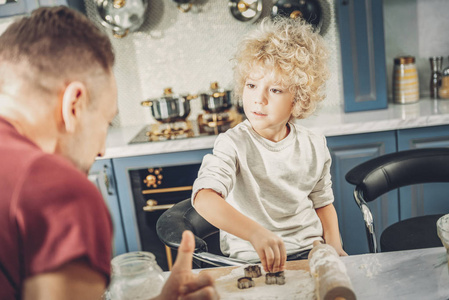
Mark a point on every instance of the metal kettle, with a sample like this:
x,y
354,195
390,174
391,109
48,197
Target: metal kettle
x,y
122,16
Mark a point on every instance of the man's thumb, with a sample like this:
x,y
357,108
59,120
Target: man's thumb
x,y
185,250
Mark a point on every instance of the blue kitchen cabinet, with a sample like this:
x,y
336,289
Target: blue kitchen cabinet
x,y
17,7
429,198
22,7
348,151
102,175
363,54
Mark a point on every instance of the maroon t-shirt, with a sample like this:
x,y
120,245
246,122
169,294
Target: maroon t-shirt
x,y
50,214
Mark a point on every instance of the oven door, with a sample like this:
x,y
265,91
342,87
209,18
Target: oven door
x,y
154,190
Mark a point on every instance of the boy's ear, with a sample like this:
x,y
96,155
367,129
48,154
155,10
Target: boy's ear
x,y
74,101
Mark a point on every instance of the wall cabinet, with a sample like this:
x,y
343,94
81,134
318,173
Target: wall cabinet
x,y
363,54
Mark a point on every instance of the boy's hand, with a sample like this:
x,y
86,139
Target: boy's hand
x,y
270,248
182,283
338,248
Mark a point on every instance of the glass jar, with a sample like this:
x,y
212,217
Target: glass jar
x,y
135,276
405,80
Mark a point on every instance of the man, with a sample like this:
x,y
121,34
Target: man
x,y
57,99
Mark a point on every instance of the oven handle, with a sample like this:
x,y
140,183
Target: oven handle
x,y
153,206
168,190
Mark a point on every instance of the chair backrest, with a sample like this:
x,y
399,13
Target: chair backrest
x,y
387,172
182,216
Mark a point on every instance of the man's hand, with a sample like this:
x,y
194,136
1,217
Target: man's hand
x,y
270,248
182,283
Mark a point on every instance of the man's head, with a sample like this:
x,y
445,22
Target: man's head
x,y
290,50
57,65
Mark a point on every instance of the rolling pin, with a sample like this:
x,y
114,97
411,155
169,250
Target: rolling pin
x,y
331,279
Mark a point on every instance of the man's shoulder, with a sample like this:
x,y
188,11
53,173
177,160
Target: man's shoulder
x,y
52,180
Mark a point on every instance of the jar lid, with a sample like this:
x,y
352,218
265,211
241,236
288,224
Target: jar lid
x,y
402,60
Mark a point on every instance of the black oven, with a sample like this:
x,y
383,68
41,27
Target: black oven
x,y
154,190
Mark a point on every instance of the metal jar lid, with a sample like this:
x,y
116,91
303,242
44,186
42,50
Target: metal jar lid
x,y
404,60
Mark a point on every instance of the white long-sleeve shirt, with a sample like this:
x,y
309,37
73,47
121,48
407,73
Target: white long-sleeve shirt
x,y
277,184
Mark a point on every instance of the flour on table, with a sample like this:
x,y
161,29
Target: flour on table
x,y
371,266
298,285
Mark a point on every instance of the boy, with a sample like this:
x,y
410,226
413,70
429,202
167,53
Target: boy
x,y
267,185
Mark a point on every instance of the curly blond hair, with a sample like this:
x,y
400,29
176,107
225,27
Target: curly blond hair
x,y
292,50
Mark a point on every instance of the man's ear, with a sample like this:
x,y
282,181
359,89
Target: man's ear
x,y
74,102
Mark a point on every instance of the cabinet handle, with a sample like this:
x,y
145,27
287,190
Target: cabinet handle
x,y
153,206
107,181
344,2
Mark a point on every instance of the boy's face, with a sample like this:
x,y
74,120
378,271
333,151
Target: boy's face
x,y
267,104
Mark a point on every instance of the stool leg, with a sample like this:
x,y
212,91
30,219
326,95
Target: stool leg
x,y
169,258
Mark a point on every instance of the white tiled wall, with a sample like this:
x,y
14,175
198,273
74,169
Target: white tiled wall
x,y
187,51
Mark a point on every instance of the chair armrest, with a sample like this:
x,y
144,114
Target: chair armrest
x,y
218,260
368,218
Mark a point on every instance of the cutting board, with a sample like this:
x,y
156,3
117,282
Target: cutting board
x,y
299,284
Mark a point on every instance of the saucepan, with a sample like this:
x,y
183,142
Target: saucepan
x,y
170,107
309,10
246,10
122,16
216,100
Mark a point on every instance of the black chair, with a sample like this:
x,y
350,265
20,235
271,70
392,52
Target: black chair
x,y
391,171
182,216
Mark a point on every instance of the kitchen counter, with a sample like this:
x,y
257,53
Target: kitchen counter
x,y
330,121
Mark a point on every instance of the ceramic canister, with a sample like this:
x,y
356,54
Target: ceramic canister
x,y
405,80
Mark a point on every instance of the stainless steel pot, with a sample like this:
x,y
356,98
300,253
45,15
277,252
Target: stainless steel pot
x,y
246,10
122,16
309,10
217,100
170,108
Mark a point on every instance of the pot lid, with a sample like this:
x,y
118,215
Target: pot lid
x,y
215,91
246,10
167,96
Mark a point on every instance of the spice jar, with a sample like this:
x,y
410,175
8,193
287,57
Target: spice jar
x,y
405,80
135,276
